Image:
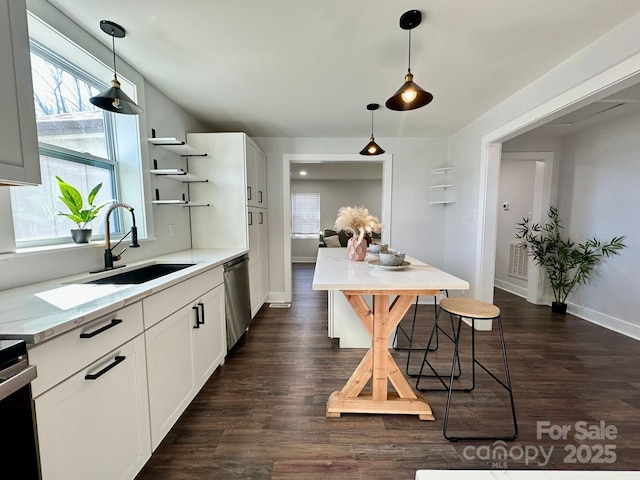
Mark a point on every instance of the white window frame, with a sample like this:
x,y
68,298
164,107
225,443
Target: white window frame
x,y
133,162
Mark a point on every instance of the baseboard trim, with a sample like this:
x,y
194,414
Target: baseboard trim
x,y
611,323
303,259
510,287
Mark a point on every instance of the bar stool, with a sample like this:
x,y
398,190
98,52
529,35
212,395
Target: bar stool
x,y
409,336
471,311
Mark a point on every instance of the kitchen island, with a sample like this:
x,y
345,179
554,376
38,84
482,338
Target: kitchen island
x,y
338,275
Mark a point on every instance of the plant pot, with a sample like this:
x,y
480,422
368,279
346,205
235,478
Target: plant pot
x,y
81,235
559,307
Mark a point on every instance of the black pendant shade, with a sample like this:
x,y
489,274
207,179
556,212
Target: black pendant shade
x,y
410,95
372,148
114,99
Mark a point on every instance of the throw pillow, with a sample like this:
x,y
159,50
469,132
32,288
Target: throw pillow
x,y
332,241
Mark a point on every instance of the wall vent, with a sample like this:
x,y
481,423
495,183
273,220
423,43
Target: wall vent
x,y
518,261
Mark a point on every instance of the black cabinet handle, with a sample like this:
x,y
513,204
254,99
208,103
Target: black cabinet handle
x,y
197,325
260,221
249,195
201,305
114,322
259,196
92,376
250,218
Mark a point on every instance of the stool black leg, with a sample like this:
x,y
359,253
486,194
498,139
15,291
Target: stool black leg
x,y
425,361
410,337
506,386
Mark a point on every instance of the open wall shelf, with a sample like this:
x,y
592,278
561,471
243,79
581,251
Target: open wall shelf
x,y
179,175
176,146
442,193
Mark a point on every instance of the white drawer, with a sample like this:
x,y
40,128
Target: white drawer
x,y
164,303
65,355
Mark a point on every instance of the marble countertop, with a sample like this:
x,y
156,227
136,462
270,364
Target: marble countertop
x,y
41,311
334,271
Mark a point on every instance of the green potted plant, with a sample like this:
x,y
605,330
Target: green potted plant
x,y
79,213
566,264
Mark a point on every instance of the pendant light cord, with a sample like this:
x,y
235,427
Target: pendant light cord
x,y
409,50
113,49
372,123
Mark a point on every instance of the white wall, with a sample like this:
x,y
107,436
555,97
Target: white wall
x,y
415,227
333,195
160,113
599,197
585,75
516,188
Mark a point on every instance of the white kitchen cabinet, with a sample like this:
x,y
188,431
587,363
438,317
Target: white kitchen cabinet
x,y
210,339
96,422
170,370
184,348
238,196
19,157
258,258
256,173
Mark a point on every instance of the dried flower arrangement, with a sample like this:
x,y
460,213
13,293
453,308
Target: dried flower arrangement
x,y
357,221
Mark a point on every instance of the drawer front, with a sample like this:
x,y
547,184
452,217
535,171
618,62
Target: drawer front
x,y
164,303
65,355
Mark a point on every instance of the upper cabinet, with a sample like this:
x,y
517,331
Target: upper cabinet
x,y
19,157
233,188
256,176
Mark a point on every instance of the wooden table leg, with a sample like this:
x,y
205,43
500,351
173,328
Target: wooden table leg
x,y
378,365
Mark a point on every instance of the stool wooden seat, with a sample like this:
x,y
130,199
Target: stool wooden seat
x,y
468,310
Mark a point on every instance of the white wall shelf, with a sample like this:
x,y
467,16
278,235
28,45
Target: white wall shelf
x,y
178,175
183,202
443,170
442,193
176,146
180,203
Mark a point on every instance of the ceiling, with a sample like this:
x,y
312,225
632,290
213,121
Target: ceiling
x,y
293,68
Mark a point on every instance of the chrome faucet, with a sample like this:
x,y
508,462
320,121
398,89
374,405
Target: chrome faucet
x,y
109,257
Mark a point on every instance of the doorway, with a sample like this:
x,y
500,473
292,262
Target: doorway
x,y
606,83
528,180
289,159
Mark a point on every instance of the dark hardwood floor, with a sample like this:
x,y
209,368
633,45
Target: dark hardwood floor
x,y
262,415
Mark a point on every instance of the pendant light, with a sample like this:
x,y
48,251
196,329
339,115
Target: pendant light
x,y
410,96
114,99
372,147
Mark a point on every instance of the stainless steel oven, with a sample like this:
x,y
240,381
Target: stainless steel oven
x,y
18,441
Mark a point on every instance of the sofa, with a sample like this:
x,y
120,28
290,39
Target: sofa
x,y
331,238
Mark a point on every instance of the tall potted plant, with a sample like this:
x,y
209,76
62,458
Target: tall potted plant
x,y
79,213
566,264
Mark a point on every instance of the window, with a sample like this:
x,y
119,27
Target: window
x,y
305,215
76,143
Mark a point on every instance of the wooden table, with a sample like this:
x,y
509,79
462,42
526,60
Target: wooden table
x,y
334,271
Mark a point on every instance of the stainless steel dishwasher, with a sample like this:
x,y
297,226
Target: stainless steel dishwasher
x,y
237,298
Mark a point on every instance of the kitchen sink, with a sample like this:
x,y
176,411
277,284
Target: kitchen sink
x,y
142,274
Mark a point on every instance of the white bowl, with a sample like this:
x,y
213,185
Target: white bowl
x,y
391,258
